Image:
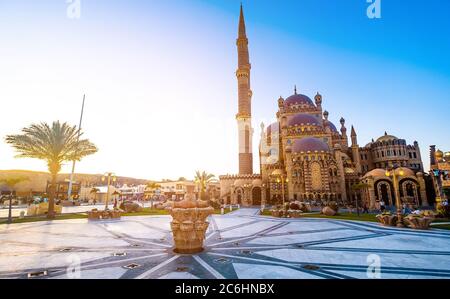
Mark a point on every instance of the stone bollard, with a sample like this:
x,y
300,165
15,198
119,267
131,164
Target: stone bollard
x,y
189,225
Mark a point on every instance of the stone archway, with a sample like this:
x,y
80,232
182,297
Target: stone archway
x,y
256,196
385,193
409,191
239,195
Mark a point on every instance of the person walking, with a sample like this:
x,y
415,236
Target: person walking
x,y
365,208
382,206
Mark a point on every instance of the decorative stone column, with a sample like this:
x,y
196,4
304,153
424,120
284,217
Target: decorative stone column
x,y
189,224
423,192
372,196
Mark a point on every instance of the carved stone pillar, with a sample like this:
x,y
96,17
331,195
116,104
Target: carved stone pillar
x,y
423,191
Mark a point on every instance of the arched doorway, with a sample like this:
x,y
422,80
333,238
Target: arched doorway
x,y
256,196
239,196
409,192
385,192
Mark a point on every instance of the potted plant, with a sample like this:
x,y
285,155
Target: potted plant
x,y
387,218
420,220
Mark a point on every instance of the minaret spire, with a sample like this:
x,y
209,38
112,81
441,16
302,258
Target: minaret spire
x,y
242,31
244,114
353,133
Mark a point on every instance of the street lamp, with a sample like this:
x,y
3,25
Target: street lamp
x,y
108,176
392,172
282,178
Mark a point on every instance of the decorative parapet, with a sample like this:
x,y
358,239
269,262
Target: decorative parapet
x,y
240,177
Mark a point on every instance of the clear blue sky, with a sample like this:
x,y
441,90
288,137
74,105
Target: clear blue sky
x,y
159,74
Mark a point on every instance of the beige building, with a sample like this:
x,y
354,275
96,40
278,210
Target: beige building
x,y
178,189
303,156
440,173
87,194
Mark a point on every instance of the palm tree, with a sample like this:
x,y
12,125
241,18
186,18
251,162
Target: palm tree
x,y
11,183
203,178
152,186
55,143
94,191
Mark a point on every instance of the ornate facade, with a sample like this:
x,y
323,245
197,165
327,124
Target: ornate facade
x,y
303,156
440,173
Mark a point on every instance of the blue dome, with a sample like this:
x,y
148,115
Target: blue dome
x,y
310,144
303,119
300,99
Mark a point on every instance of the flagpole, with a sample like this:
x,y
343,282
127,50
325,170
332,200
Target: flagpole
x,y
69,192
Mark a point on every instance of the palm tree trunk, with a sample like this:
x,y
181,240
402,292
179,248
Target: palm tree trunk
x,y
10,207
51,200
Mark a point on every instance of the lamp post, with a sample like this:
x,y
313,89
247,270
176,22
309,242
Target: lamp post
x,y
283,179
108,176
392,172
263,206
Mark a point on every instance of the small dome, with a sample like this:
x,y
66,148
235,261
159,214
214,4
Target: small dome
x,y
310,144
376,173
298,99
303,119
439,154
386,137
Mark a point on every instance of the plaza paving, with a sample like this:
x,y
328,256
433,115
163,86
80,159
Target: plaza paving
x,y
238,245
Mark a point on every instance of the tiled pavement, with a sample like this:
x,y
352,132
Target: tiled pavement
x,y
238,245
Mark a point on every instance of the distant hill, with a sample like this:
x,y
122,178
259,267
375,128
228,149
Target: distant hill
x,y
38,180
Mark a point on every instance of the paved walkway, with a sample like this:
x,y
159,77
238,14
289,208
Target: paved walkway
x,y
238,245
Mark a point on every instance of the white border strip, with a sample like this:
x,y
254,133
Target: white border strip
x,y
208,267
146,274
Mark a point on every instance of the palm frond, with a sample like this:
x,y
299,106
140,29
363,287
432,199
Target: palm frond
x,y
54,143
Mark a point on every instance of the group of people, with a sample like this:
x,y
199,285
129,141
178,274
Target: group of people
x,y
405,208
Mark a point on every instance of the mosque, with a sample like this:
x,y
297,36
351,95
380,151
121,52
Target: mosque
x,y
304,156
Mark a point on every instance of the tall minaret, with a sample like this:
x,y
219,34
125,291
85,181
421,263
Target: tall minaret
x,y
244,115
355,150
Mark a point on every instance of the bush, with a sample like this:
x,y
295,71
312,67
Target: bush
x,y
294,206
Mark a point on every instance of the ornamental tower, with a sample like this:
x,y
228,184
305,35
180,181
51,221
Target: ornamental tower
x,y
244,115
